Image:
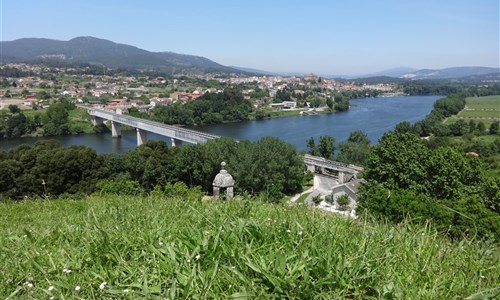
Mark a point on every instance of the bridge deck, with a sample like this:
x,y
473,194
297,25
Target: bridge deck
x,y
330,164
183,134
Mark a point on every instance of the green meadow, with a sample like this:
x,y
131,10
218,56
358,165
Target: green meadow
x,y
485,109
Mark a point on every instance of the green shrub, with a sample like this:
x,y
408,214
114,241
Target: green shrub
x,y
329,198
316,200
120,186
343,201
181,190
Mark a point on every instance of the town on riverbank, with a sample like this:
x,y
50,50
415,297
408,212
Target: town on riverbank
x,y
36,86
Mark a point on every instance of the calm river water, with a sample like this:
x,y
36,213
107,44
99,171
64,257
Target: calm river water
x,y
374,116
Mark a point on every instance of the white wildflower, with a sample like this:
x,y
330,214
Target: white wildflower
x,y
102,285
288,230
77,288
160,244
300,232
52,298
197,257
29,285
67,271
50,288
125,291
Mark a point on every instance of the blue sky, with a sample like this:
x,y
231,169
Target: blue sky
x,y
326,37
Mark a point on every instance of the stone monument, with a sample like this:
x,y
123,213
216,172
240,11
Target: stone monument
x,y
223,182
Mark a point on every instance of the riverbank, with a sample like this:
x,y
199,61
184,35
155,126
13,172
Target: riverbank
x,y
299,112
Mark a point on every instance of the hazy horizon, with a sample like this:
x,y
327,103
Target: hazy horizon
x,y
354,38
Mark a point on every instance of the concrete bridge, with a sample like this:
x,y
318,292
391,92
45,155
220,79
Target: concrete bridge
x,y
142,126
344,171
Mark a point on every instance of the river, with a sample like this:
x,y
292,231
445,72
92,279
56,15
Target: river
x,y
374,116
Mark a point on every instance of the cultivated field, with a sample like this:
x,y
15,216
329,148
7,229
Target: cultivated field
x,y
124,247
485,109
4,103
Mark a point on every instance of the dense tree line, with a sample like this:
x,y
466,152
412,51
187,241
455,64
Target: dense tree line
x,y
211,108
444,88
54,121
267,166
49,169
14,124
341,103
443,108
430,87
406,177
12,72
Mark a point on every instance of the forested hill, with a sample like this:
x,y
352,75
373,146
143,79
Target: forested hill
x,y
108,53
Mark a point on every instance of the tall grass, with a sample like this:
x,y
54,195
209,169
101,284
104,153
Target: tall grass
x,y
133,247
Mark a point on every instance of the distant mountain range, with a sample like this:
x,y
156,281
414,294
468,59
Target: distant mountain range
x,y
475,73
262,72
93,50
113,55
450,73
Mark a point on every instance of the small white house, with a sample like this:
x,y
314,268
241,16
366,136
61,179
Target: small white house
x,y
284,105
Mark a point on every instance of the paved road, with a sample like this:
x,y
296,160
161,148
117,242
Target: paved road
x,y
325,183
323,186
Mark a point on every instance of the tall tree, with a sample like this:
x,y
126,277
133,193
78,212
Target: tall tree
x,y
398,161
14,109
326,146
494,127
313,149
55,120
356,150
329,102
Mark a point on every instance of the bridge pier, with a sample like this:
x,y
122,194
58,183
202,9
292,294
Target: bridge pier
x,y
116,129
341,177
142,136
96,121
176,142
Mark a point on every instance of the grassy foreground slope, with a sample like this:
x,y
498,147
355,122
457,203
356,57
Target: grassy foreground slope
x,y
133,247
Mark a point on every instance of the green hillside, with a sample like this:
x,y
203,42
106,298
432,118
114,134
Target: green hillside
x,y
93,50
133,247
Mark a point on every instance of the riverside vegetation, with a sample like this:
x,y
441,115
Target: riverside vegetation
x,y
172,245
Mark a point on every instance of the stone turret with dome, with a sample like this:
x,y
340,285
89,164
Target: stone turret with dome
x,y
223,181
